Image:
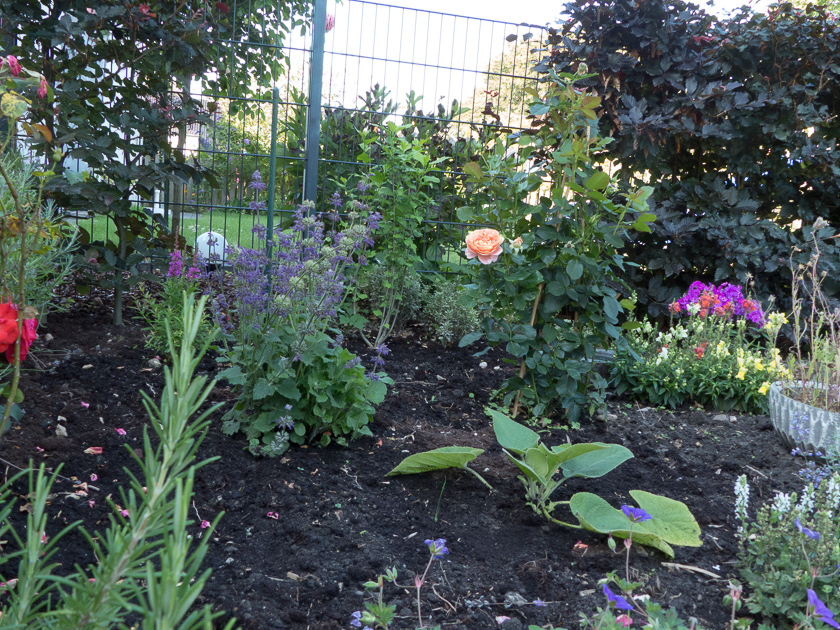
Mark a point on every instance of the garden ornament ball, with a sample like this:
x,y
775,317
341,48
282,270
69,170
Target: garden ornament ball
x,y
212,246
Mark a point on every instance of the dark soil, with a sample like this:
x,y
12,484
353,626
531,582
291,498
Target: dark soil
x,y
342,522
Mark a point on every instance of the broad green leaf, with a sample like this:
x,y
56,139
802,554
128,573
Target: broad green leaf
x,y
574,269
262,389
470,338
510,434
671,521
596,515
598,181
437,459
571,451
596,463
465,213
473,169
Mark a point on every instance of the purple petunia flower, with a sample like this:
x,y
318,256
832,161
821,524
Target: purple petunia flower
x,y
820,611
810,533
637,515
437,547
616,601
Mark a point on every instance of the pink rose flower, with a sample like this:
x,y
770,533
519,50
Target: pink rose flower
x,y
486,244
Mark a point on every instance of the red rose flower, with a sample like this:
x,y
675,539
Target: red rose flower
x,y
9,332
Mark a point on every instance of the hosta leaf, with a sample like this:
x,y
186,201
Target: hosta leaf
x,y
438,459
510,434
596,463
671,522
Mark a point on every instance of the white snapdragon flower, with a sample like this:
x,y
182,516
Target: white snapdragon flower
x,y
806,501
742,500
832,492
781,504
663,353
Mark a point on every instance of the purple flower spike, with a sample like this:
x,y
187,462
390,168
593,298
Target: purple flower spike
x,y
437,547
637,515
820,611
616,601
810,533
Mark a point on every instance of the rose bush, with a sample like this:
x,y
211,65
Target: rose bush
x,y
486,244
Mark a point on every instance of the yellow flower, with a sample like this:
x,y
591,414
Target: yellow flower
x,y
741,374
765,386
758,365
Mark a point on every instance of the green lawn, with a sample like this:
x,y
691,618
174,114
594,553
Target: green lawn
x,y
235,227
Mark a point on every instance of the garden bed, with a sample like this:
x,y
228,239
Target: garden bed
x,y
340,521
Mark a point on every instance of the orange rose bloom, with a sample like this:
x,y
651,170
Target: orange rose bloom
x,y
486,244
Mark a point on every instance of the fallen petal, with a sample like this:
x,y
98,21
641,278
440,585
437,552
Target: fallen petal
x,y
94,450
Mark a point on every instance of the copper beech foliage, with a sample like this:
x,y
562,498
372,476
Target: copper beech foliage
x,y
734,121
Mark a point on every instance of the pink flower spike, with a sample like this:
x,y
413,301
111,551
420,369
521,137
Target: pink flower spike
x,y
85,405
94,476
120,431
14,66
205,524
124,513
42,89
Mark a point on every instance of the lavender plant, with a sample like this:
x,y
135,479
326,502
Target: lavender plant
x,y
148,566
167,306
790,552
295,381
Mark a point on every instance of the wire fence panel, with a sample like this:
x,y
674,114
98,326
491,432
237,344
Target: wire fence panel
x,y
455,82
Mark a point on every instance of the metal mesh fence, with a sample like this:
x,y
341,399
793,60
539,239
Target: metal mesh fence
x,y
455,80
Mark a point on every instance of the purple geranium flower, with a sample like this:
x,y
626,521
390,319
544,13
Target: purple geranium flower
x,y
616,601
820,611
810,533
437,547
637,515
356,620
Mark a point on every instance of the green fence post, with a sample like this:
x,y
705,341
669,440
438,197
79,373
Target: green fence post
x,y
272,176
313,118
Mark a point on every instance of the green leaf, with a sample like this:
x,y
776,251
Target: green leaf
x,y
599,181
510,434
262,389
597,463
574,269
671,521
437,459
596,515
469,338
611,307
233,375
474,170
465,213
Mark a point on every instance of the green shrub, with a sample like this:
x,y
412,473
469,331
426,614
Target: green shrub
x,y
448,316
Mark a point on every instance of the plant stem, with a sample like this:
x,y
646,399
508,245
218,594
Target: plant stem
x,y
522,367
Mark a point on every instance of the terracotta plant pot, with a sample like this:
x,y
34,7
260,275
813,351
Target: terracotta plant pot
x,y
801,425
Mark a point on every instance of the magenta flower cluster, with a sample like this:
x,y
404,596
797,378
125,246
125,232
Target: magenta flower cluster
x,y
176,267
726,300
